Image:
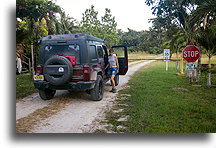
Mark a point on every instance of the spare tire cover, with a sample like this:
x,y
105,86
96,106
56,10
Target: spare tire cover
x,y
58,70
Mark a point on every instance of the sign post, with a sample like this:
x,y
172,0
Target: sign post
x,y
166,57
191,53
32,55
182,67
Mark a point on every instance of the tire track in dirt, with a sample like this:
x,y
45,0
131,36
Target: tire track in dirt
x,y
26,124
29,104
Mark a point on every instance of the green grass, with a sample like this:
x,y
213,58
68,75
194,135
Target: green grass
x,y
161,102
141,55
24,85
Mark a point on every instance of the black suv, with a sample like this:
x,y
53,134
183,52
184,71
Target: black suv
x,y
75,62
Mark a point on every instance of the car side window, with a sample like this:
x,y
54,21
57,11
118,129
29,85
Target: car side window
x,y
105,55
100,51
93,53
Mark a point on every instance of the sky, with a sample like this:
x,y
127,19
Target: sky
x,y
133,14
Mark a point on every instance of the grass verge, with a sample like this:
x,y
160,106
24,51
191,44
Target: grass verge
x,y
141,55
24,85
161,102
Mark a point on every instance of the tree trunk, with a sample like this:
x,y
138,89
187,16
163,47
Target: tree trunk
x,y
209,72
199,66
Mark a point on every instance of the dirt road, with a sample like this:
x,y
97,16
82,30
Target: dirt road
x,y
68,112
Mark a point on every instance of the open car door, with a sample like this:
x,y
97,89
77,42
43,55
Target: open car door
x,y
122,55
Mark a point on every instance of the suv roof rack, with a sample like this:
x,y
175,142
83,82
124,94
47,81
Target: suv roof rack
x,y
71,36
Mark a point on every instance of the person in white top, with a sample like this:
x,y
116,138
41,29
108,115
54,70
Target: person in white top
x,y
18,64
113,69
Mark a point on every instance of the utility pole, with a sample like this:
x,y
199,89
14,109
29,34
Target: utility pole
x,y
32,56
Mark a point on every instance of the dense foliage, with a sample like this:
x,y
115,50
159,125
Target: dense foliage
x,y
194,23
36,18
104,28
192,20
177,23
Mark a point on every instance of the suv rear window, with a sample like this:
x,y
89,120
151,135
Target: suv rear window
x,y
64,50
93,54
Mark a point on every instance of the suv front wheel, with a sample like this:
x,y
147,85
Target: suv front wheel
x,y
98,90
47,94
116,79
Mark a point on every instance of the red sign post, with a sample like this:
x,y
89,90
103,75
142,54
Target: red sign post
x,y
191,53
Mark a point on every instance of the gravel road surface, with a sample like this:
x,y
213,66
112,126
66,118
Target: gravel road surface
x,y
68,112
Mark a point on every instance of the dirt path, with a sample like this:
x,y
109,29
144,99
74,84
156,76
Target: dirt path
x,y
67,112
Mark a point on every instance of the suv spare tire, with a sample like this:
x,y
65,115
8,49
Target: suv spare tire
x,y
58,70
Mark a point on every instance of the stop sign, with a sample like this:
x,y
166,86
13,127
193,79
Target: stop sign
x,y
191,53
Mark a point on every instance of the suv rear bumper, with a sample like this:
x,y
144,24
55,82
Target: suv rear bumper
x,y
82,85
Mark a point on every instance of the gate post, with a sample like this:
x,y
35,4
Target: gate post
x,y
32,56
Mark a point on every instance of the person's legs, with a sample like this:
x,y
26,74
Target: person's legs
x,y
112,81
113,72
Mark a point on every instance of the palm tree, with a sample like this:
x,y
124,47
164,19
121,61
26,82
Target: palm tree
x,y
68,24
202,21
206,38
204,14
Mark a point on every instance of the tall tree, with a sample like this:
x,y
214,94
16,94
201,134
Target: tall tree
x,y
175,12
131,38
34,19
204,14
109,28
173,39
67,24
90,23
203,22
104,28
206,38
195,17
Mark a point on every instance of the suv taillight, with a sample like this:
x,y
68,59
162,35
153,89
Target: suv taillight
x,y
39,70
86,72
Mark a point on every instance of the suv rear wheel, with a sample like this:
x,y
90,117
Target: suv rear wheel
x,y
47,94
98,90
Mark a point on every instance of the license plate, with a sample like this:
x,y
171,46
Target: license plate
x,y
38,77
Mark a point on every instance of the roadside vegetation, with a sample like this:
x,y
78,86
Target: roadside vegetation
x,y
158,101
24,85
132,56
175,25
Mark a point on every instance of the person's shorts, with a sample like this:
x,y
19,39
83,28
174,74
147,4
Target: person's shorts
x,y
112,71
